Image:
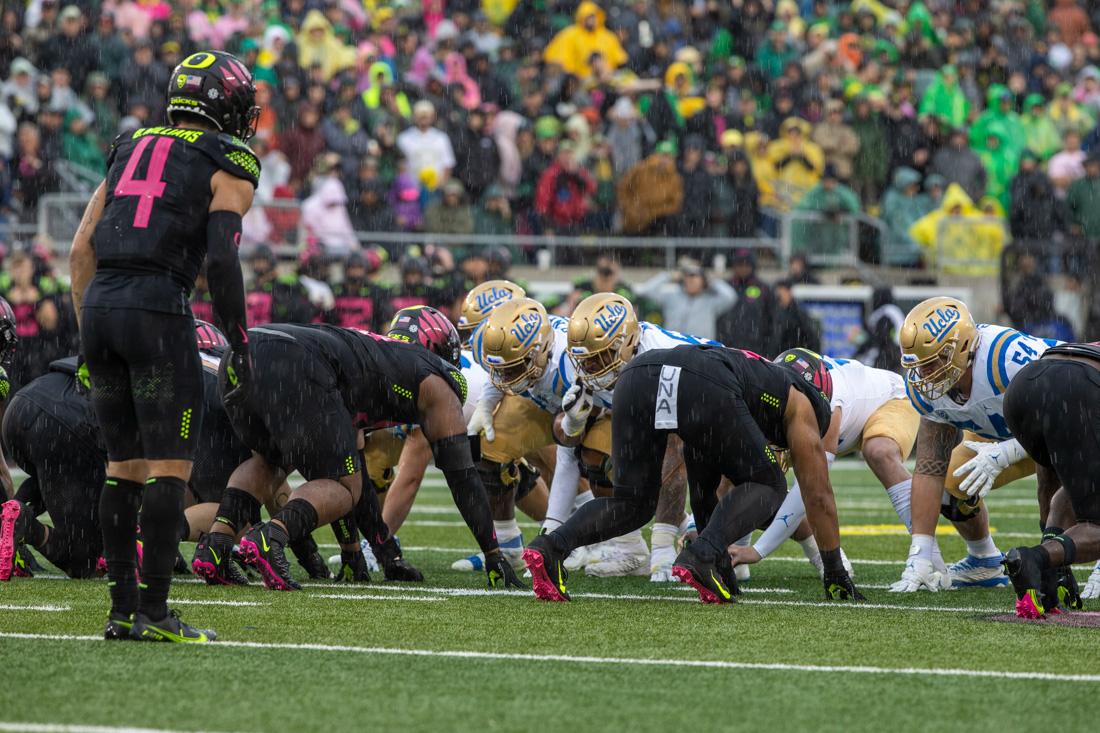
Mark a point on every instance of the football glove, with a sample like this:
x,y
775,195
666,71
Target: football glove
x,y
238,375
481,422
577,405
838,583
920,574
500,572
1092,586
984,468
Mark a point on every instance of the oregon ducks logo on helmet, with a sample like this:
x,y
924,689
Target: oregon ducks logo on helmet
x,y
938,341
514,343
483,300
603,336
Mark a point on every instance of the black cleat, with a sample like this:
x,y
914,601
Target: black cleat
x,y
213,560
1024,570
547,566
726,573
25,564
181,567
118,626
353,567
712,584
170,628
394,565
309,557
263,548
1067,591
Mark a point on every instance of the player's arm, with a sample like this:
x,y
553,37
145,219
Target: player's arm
x,y
231,201
935,441
445,430
415,457
989,461
82,260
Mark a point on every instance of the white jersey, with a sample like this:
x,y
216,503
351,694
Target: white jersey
x,y
477,379
1001,353
858,391
559,376
653,337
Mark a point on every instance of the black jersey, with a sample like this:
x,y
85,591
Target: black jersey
x,y
57,394
760,384
379,378
219,451
151,240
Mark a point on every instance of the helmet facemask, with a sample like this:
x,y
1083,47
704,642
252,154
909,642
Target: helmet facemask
x,y
517,377
600,369
935,376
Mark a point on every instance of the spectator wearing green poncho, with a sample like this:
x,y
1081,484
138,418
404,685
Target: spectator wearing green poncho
x,y
79,144
776,52
1040,135
945,99
999,109
833,199
1001,162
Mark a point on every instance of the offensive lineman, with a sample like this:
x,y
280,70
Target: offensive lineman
x,y
173,196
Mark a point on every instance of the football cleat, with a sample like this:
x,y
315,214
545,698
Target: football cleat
x,y
585,555
25,564
261,550
395,566
705,577
170,628
1069,593
309,558
14,520
920,574
1092,585
118,627
1025,572
181,567
980,572
547,566
621,559
213,561
353,568
660,564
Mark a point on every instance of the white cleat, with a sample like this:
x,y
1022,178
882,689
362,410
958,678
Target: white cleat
x,y
920,574
660,564
621,559
817,563
582,556
1092,587
978,572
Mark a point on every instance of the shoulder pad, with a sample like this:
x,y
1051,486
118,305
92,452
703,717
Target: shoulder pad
x,y
67,366
236,158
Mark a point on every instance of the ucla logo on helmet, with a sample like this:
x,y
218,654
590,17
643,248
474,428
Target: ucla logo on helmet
x,y
526,327
491,298
940,322
610,317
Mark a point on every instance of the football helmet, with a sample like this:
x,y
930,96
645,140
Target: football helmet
x,y
8,337
603,336
938,341
217,86
811,367
515,343
482,300
209,337
420,324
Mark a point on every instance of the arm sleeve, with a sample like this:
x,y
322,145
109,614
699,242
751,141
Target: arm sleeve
x,y
786,521
223,272
452,456
563,489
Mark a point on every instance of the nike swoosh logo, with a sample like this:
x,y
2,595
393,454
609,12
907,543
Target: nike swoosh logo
x,y
217,559
718,584
263,539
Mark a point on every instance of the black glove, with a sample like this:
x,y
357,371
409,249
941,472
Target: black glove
x,y
238,375
838,584
500,572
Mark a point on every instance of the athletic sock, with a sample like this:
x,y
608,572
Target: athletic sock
x,y
899,496
663,535
299,517
982,548
506,529
922,546
687,524
118,514
809,547
237,509
160,520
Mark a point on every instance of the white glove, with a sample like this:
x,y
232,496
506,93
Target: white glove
x,y
986,466
919,574
481,422
1092,587
577,405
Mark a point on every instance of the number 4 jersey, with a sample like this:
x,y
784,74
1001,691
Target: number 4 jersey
x,y
151,240
1001,353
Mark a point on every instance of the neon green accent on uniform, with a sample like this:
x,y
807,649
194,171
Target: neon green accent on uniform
x,y
718,584
770,400
200,60
244,160
150,632
402,391
217,559
150,481
142,586
349,464
769,453
84,377
178,132
111,482
185,424
460,379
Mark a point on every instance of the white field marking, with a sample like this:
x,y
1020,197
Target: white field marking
x,y
616,661
488,592
47,608
202,602
67,728
369,597
443,523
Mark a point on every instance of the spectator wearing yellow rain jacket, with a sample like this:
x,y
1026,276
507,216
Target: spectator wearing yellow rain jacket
x,y
798,161
965,239
318,45
572,47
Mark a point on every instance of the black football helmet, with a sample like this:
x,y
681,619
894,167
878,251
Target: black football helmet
x,y
210,338
218,87
8,336
420,324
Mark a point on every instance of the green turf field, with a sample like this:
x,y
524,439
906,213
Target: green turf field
x,y
624,655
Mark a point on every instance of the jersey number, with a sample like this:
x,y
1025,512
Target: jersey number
x,y
150,188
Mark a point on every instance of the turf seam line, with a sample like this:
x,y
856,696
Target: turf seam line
x,y
619,661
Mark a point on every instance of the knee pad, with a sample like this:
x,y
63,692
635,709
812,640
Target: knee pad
x,y
498,478
528,477
958,510
595,466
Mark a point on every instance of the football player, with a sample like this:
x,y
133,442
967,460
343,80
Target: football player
x,y
604,335
870,414
1051,409
957,372
172,197
728,407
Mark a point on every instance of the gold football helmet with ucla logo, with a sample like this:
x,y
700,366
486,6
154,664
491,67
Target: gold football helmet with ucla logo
x,y
515,343
938,341
482,300
603,336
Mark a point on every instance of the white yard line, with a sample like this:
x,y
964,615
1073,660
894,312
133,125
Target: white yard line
x,y
67,728
610,661
369,597
212,602
47,608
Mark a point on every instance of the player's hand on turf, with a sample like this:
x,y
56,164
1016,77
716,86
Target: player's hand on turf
x,y
1092,587
988,463
743,555
839,587
500,572
577,405
920,574
238,375
481,422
